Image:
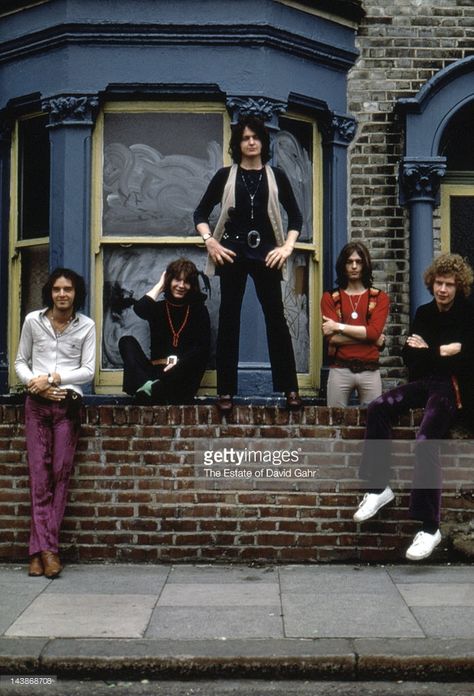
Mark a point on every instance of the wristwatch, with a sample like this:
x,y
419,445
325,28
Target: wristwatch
x,y
206,236
51,380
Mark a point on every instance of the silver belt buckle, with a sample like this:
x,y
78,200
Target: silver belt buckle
x,y
254,239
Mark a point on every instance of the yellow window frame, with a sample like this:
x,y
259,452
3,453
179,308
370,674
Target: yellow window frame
x,y
309,381
15,247
462,185
110,381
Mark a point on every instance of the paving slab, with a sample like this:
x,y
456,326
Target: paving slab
x,y
430,594
85,615
215,622
414,658
429,573
110,579
221,574
446,622
12,606
210,594
343,602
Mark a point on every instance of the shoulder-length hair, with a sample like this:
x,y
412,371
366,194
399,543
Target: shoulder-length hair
x,y
450,265
187,270
256,125
341,270
77,283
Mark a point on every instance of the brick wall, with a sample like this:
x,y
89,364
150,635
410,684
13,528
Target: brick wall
x,y
402,44
136,494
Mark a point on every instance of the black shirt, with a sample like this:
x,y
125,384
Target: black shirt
x,y
194,339
240,218
438,329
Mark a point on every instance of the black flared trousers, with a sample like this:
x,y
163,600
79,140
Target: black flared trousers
x,y
233,279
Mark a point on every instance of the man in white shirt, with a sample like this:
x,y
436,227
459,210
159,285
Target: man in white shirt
x,y
56,354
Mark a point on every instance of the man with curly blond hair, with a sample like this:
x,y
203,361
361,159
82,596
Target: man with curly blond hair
x,y
438,353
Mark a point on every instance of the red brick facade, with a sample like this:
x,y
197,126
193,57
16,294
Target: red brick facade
x,y
136,495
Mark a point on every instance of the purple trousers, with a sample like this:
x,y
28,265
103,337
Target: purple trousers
x,y
51,440
437,397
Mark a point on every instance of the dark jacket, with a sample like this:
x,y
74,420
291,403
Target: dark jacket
x,y
437,329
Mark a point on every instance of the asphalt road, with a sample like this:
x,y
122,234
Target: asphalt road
x,y
236,687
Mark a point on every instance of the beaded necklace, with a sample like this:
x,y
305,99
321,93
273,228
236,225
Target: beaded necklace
x,y
176,334
252,183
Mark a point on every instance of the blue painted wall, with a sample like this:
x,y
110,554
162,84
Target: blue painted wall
x,y
257,48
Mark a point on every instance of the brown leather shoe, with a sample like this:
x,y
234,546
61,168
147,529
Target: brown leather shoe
x,y
35,569
224,403
51,564
293,401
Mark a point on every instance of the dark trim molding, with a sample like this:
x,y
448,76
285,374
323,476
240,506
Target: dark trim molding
x,y
177,35
136,90
347,9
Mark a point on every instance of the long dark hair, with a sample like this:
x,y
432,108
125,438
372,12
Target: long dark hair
x,y
185,268
341,271
77,283
258,127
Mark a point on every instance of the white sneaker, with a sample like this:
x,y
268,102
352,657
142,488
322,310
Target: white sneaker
x,y
371,503
423,545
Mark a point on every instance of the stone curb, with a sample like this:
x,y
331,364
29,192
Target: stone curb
x,y
415,659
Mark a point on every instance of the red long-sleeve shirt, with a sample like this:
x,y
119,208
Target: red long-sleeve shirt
x,y
366,351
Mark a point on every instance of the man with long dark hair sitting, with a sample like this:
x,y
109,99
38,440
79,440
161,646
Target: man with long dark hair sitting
x,y
179,337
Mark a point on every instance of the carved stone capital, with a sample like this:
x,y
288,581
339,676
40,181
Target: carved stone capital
x,y
339,129
266,109
71,110
420,179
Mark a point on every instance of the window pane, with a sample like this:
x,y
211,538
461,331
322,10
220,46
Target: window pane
x,y
131,272
457,143
34,178
293,152
462,214
34,274
156,168
295,300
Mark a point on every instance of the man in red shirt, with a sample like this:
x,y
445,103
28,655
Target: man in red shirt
x,y
354,316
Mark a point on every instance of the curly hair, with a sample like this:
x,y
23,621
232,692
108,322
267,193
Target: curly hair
x,y
77,283
341,271
256,125
182,268
450,265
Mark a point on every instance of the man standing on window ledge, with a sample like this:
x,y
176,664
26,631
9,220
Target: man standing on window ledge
x,y
438,353
56,354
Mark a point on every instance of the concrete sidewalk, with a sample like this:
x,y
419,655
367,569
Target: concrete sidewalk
x,y
344,621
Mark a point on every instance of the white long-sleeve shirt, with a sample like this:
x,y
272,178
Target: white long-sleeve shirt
x,y
71,354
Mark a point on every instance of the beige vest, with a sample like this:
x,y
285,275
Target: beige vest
x,y
228,201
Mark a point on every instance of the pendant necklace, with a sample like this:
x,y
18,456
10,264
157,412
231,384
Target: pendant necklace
x,y
176,334
354,314
251,195
59,328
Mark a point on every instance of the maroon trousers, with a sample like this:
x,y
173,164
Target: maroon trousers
x,y
51,440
